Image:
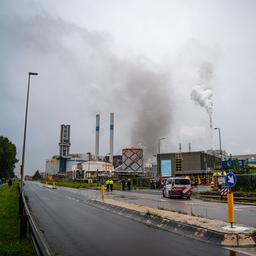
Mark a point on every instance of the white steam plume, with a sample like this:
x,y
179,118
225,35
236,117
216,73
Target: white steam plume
x,y
202,93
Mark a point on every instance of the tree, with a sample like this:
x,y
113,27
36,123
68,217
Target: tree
x,y
36,176
7,158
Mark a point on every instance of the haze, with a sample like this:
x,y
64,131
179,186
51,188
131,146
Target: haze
x,y
160,66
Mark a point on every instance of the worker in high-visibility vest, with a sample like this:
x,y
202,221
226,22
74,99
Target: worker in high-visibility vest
x,y
111,183
108,183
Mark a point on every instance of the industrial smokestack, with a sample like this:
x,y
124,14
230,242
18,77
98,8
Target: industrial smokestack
x,y
97,137
111,144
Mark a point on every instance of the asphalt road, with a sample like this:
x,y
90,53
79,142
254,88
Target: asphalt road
x,y
244,214
72,227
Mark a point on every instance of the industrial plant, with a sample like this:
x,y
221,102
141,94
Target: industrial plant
x,y
88,167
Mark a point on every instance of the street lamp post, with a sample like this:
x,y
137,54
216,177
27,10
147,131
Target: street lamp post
x,y
159,152
25,132
159,145
23,224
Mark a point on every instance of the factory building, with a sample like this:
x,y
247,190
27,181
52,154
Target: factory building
x,y
91,170
132,163
53,165
194,164
117,160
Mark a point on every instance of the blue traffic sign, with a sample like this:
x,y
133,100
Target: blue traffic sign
x,y
230,179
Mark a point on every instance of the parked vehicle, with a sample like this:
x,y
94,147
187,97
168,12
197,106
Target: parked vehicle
x,y
177,187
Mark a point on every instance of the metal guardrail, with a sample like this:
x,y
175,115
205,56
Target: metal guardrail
x,y
40,245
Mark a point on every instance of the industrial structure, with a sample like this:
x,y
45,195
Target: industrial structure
x,y
194,164
64,146
79,165
97,135
111,137
90,170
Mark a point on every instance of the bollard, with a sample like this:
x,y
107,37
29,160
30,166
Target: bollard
x,y
53,184
231,214
102,192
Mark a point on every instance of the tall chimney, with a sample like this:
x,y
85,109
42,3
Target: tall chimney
x,y
97,136
111,144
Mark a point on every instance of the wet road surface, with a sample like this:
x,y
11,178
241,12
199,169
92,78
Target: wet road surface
x,y
244,214
72,227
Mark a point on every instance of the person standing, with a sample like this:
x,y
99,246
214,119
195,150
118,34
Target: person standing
x,y
123,184
107,184
129,184
111,184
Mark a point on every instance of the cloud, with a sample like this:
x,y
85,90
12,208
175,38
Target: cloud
x,y
79,76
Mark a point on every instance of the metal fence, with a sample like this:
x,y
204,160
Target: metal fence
x,y
26,219
246,182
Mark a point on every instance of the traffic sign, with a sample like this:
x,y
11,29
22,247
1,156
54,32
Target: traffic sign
x,y
230,179
224,191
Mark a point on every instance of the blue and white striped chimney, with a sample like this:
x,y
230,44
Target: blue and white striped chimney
x,y
111,144
97,138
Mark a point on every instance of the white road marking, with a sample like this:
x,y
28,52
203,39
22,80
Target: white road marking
x,y
244,206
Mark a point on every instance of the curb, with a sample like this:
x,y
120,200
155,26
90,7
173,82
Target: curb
x,y
180,228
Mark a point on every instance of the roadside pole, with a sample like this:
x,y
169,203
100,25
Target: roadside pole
x,y
230,180
231,213
102,192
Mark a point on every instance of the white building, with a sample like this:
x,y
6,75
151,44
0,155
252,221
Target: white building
x,y
52,166
90,170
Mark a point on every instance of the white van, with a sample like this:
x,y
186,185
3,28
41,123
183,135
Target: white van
x,y
177,187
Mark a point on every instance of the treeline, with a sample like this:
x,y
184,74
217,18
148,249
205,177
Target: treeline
x,y
7,158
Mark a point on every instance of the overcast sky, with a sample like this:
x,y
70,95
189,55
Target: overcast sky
x,y
161,66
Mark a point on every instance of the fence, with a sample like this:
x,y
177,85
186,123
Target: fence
x,y
246,182
26,220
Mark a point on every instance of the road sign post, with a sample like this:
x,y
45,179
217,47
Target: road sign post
x,y
230,182
102,192
231,213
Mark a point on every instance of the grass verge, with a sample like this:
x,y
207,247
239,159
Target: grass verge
x,y
75,184
10,244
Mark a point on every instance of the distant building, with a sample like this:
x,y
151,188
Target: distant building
x,y
117,160
132,160
218,153
250,158
90,170
131,163
52,166
186,163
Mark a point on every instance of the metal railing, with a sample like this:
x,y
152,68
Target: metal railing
x,y
39,242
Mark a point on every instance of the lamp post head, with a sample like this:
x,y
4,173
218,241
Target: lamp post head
x,y
216,128
33,74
